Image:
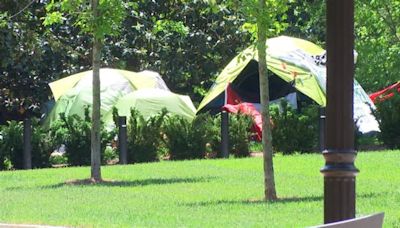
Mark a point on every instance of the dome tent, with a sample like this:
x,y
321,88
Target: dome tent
x,y
73,93
151,101
297,66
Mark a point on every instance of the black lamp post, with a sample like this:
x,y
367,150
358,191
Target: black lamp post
x,y
339,171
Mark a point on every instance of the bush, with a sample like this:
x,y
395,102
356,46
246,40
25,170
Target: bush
x,y
58,159
12,145
111,155
75,133
239,134
144,137
293,131
187,139
388,116
42,146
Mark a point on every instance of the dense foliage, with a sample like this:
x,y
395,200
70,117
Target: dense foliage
x,y
294,131
240,134
74,133
12,146
187,139
144,137
388,116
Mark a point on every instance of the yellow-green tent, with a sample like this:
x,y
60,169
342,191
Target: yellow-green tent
x,y
72,94
295,65
283,54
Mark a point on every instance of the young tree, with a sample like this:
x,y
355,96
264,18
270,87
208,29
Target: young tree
x,y
265,20
98,18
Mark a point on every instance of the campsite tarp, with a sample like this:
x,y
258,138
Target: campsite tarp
x,y
151,101
73,93
297,65
108,77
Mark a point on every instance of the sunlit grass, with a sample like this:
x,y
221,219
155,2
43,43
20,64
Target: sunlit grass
x,y
201,193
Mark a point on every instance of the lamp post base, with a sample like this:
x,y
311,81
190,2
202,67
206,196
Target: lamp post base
x,y
339,185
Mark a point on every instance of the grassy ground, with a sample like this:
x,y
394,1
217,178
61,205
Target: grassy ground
x,y
206,193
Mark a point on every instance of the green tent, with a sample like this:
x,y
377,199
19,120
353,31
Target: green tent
x,y
151,101
73,93
295,66
242,73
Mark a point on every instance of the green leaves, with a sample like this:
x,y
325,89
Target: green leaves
x,y
53,18
378,43
172,26
111,15
272,16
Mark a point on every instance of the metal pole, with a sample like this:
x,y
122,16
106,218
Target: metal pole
x,y
122,140
27,144
225,134
322,131
339,171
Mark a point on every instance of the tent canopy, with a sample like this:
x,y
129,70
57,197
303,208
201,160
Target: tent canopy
x,y
151,101
285,59
74,93
294,65
130,80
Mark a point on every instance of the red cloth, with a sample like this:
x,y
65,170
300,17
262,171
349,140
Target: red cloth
x,y
247,109
385,93
231,97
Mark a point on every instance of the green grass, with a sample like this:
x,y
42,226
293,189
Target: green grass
x,y
201,193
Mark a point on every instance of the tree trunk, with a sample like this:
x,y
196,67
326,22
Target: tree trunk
x,y
269,182
95,134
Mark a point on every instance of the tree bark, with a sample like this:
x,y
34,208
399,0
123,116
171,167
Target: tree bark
x,y
95,134
269,181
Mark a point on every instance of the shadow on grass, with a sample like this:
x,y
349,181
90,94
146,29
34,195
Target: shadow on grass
x,y
283,200
253,201
116,183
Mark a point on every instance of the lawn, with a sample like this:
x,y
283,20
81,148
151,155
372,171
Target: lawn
x,y
200,193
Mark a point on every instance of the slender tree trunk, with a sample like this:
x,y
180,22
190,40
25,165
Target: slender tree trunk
x,y
95,136
269,182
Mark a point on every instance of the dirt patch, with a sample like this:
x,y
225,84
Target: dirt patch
x,y
89,181
256,154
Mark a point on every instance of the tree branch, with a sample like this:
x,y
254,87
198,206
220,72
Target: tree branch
x,y
22,10
389,21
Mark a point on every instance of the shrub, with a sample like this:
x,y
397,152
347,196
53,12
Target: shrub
x,y
214,130
111,155
239,134
144,136
388,116
293,131
12,145
75,133
58,159
187,139
42,146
